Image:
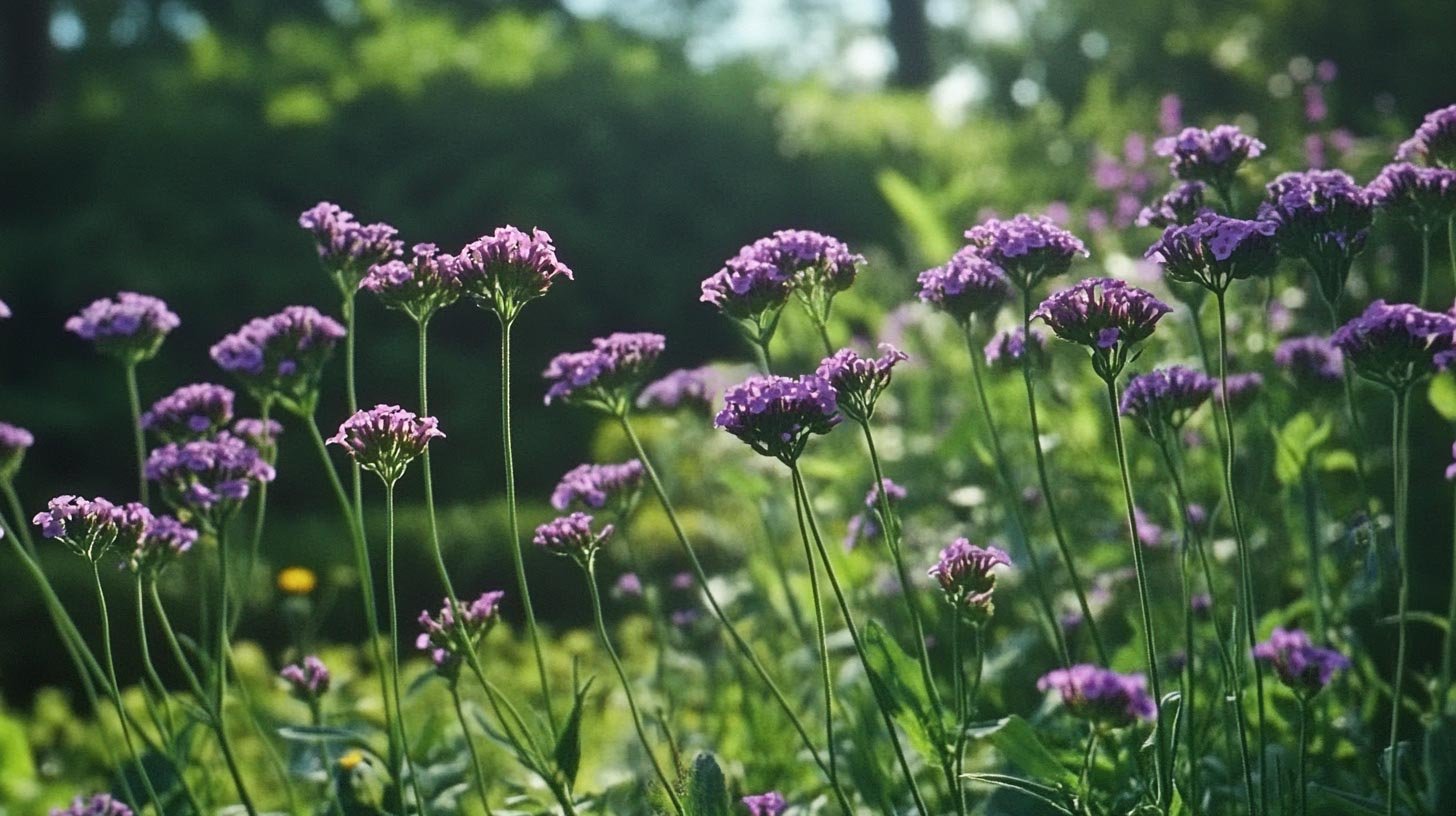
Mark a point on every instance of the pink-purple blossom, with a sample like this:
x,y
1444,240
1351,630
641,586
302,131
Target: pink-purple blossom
x,y
346,247
163,539
1423,196
208,477
1006,348
765,804
964,572
1215,250
1297,662
1311,361
597,486
1395,344
130,327
508,268
190,412
607,375
1101,695
1434,142
572,535
14,442
776,415
1163,399
421,286
1212,156
448,636
386,438
100,804
966,286
859,381
92,527
1027,248
281,356
307,679
1105,315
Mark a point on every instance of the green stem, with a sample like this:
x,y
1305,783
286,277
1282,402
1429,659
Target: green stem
x,y
596,599
1084,783
527,751
1301,792
1444,688
821,635
220,681
1047,496
255,546
157,687
480,783
1150,647
115,690
1018,516
1246,580
424,378
1315,551
1188,707
390,583
802,495
1357,429
1425,265
134,402
1400,430
739,643
517,557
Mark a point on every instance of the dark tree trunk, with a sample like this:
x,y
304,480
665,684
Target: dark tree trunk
x,y
25,49
909,33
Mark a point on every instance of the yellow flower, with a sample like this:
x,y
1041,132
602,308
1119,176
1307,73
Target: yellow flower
x,y
351,759
296,580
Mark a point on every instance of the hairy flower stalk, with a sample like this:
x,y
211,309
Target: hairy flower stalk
x,y
502,272
1397,346
1110,318
573,537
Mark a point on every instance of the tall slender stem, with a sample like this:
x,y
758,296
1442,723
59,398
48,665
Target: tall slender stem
x,y
821,635
1188,706
1399,441
480,783
1302,791
1047,496
220,679
1018,515
390,584
1315,550
1443,693
1425,265
517,556
739,643
134,402
265,413
424,380
1150,646
115,689
596,599
1246,579
802,495
158,688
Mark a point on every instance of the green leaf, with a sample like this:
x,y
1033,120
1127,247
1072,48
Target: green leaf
x,y
1442,396
897,678
17,769
568,744
1326,800
1294,443
322,734
707,791
1338,460
1042,793
933,237
1018,742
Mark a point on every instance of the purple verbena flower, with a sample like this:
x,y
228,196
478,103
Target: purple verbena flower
x,y
865,525
260,433
628,585
1027,248
1101,695
571,535
1451,468
1149,533
1163,399
751,291
1298,663
1424,196
964,574
1312,361
347,248
1105,315
859,381
426,283
817,266
1212,156
1243,389
14,442
1395,344
190,412
776,415
596,486
1177,207
683,387
456,631
386,438
308,679
162,541
1215,250
1322,217
130,328
101,804
1434,142
607,376
765,804
93,527
966,286
506,269
209,478
282,356
1006,347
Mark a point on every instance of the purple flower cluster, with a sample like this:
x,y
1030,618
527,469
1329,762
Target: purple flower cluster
x,y
1163,399
571,535
1434,142
1105,315
1006,347
749,289
859,381
386,438
596,486
1027,248
1322,217
92,527
812,259
776,415
1101,695
1395,344
1424,196
281,356
965,287
507,269
964,573
1215,250
209,477
1212,156
606,376
1299,664
426,283
260,433
1177,207
865,524
162,541
14,442
130,328
695,387
448,636
346,247
1312,362
307,679
753,283
101,804
190,412
1243,389
765,804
